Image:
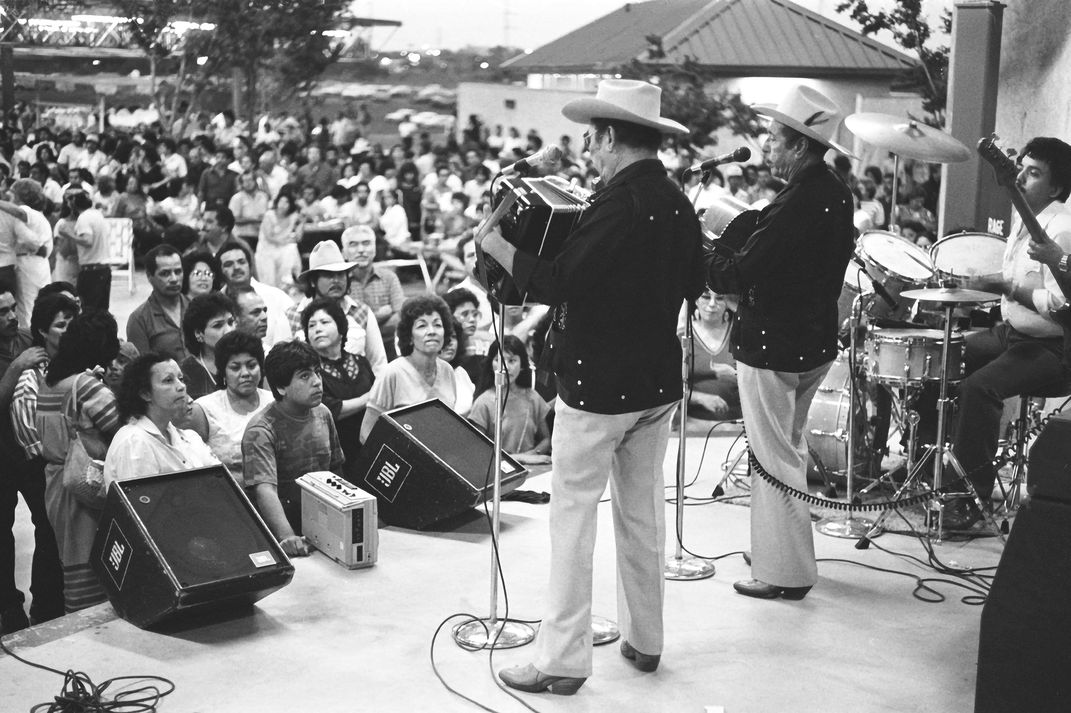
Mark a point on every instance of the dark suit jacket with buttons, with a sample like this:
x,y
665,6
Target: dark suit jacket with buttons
x,y
617,286
789,275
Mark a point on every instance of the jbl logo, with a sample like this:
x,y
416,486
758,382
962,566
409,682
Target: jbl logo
x,y
116,554
387,474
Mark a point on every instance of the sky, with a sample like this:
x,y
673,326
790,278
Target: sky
x,y
452,24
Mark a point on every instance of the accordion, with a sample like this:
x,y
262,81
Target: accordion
x,y
535,215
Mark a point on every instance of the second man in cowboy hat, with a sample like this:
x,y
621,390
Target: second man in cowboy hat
x,y
788,275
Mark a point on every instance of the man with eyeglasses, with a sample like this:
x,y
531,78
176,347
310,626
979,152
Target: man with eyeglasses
x,y
156,324
236,264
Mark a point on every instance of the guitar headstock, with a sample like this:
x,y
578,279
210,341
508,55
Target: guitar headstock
x,y
1003,166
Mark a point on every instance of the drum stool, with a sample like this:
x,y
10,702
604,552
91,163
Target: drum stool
x,y
1029,416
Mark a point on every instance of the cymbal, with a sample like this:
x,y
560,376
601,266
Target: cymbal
x,y
907,137
949,295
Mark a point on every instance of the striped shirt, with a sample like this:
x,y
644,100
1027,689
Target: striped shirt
x,y
24,412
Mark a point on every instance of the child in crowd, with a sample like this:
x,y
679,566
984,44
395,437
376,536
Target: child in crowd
x,y
295,435
525,433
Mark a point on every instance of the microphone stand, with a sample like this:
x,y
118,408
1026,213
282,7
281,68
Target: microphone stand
x,y
678,567
492,632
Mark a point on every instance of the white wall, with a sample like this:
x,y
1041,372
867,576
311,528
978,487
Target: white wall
x,y
541,108
1034,98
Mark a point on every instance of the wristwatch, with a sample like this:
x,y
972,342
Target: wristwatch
x,y
1062,265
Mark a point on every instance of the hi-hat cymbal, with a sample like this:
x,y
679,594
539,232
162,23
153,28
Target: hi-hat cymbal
x,y
907,137
949,295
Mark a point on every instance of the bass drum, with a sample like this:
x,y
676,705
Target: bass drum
x,y
827,425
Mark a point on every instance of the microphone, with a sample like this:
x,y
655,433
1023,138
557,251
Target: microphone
x,y
879,289
546,156
741,154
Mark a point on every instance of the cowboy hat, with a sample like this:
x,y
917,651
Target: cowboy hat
x,y
327,256
809,112
625,100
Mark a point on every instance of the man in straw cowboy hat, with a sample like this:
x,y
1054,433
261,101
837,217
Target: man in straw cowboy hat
x,y
788,275
615,393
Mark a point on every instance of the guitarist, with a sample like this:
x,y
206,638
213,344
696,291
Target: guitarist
x,y
1023,353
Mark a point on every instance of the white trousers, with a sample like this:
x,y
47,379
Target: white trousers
x,y
277,265
628,449
775,406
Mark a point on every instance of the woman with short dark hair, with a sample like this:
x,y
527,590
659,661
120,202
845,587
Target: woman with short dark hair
x,y
152,398
207,319
424,326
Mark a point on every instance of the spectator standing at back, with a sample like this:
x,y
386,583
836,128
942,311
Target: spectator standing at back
x,y
217,184
94,282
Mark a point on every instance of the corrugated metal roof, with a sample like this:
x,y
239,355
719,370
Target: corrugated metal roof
x,y
612,40
765,37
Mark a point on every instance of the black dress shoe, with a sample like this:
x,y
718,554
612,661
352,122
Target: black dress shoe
x,y
531,680
961,515
644,662
762,590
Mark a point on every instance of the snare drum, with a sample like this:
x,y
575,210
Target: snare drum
x,y
911,356
965,256
856,282
896,264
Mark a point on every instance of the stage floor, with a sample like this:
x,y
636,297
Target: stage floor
x,y
339,640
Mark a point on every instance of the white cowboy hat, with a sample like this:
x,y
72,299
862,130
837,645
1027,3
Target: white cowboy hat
x,y
809,112
626,100
327,256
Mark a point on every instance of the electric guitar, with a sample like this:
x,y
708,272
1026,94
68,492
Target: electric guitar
x,y
1007,174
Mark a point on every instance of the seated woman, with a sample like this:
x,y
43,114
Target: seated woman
x,y
200,274
152,398
347,378
220,417
525,434
419,374
715,394
207,318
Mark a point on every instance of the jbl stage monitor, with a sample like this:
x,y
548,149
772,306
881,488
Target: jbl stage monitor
x,y
425,463
184,541
1049,467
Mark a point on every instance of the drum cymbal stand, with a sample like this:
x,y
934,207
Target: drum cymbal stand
x,y
852,527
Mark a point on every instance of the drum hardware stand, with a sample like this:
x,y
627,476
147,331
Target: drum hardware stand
x,y
677,566
852,527
492,632
941,453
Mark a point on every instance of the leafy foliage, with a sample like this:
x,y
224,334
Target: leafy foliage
x,y
911,31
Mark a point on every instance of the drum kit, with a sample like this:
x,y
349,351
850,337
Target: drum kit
x,y
891,285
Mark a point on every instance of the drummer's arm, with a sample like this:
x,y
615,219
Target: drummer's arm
x,y
1055,290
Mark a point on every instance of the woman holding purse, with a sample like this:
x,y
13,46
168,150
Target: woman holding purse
x,y
76,419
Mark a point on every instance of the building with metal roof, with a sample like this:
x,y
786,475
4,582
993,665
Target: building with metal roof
x,y
757,48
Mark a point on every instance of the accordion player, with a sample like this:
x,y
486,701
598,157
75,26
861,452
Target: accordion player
x,y
536,215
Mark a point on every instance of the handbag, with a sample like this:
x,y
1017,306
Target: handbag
x,y
83,476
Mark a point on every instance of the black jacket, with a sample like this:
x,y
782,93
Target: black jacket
x,y
617,286
789,275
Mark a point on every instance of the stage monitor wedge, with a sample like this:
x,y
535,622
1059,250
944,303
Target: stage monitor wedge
x,y
177,542
425,463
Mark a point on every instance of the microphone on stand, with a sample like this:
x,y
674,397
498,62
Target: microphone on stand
x,y
545,157
741,154
879,289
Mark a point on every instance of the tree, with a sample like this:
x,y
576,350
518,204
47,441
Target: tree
x,y
912,32
687,99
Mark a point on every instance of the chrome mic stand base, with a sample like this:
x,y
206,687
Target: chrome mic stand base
x,y
687,568
603,631
492,634
850,527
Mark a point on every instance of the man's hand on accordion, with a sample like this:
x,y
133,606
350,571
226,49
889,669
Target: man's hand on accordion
x,y
494,245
